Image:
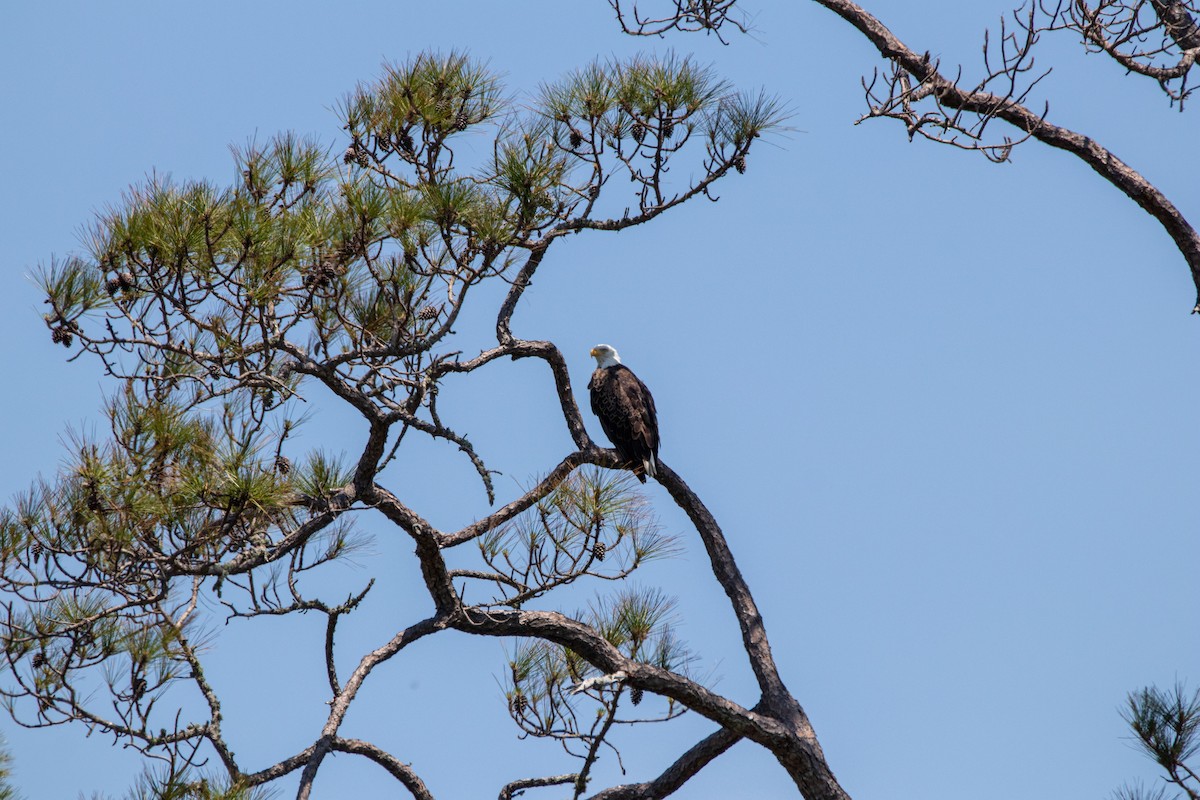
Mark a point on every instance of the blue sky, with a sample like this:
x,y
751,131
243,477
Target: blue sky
x,y
944,410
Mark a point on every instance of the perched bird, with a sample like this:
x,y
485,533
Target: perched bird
x,y
626,411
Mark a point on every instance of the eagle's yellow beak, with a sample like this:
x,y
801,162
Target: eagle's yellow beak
x,y
592,352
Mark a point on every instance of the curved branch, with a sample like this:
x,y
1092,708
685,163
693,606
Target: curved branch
x,y
554,627
278,770
1178,23
673,777
438,431
525,501
528,348
700,188
794,746
341,702
754,634
248,560
1180,28
1103,161
520,283
515,788
310,758
429,553
400,771
525,348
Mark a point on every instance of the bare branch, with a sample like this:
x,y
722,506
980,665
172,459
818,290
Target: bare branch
x,y
400,771
1103,161
709,16
522,503
676,775
754,635
341,705
517,787
1155,38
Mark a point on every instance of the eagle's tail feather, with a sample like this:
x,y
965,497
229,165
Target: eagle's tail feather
x,y
650,466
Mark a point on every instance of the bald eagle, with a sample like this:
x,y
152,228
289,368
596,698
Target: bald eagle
x,y
626,411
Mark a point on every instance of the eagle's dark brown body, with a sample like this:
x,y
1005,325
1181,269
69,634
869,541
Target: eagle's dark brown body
x,y
627,415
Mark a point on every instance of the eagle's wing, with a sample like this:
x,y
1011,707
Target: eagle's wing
x,y
639,405
651,418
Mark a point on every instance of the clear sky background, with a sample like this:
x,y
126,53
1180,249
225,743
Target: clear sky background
x,y
944,410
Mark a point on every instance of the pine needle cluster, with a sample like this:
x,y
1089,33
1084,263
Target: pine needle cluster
x,y
109,561
596,523
1166,726
538,684
632,117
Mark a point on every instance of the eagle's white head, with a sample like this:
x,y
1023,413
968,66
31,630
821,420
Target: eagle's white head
x,y
605,355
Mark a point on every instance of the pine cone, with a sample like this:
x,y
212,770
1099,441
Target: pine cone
x,y
61,336
282,465
319,275
593,192
518,703
739,164
139,688
461,120
429,312
638,132
355,153
405,142
668,128
599,550
576,138
36,551
635,695
39,660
